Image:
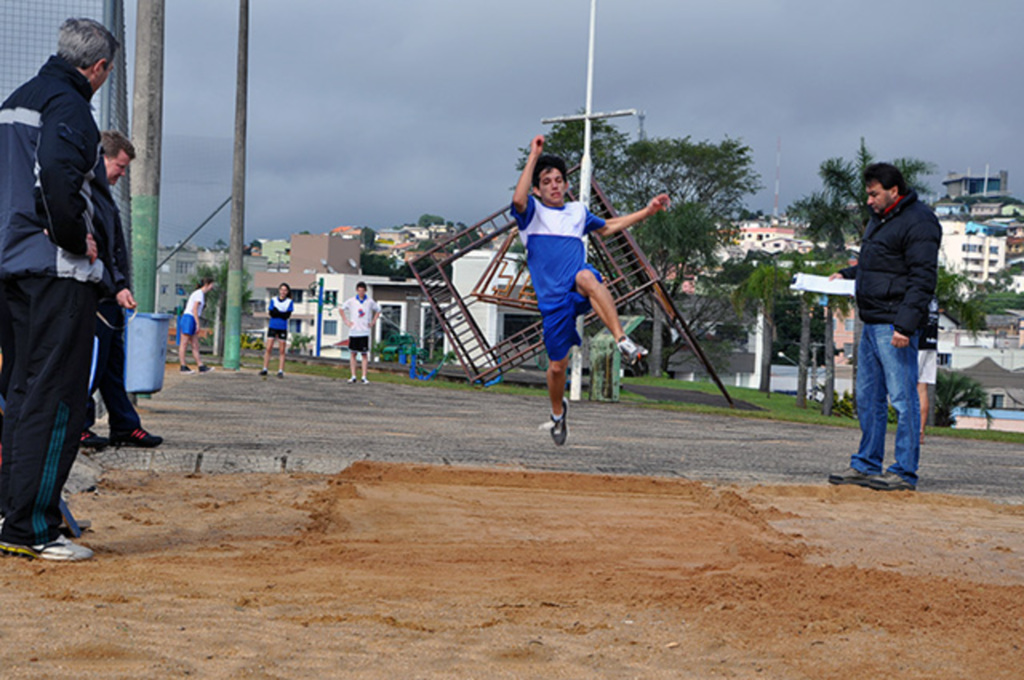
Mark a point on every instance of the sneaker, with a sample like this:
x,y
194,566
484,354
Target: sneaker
x,y
59,550
851,475
205,369
891,481
630,350
91,440
280,374
137,437
352,379
186,369
365,381
560,426
263,373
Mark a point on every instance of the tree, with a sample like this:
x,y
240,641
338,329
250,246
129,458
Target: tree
x,y
216,299
717,176
681,239
960,297
838,212
427,220
706,183
607,144
761,289
953,390
369,238
379,264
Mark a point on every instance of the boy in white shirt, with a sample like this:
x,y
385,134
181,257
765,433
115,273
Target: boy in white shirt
x,y
359,313
554,233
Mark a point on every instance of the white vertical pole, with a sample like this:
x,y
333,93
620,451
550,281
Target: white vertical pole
x,y
586,171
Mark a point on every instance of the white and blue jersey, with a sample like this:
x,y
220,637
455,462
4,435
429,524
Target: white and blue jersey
x,y
279,321
555,240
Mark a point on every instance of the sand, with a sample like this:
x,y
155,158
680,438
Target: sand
x,y
405,571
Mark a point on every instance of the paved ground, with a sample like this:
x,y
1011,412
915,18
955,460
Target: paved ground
x,y
237,422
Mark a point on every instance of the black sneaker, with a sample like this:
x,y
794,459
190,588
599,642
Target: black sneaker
x,y
560,426
205,369
91,440
851,475
263,372
185,369
137,437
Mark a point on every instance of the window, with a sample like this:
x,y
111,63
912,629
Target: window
x,y
513,323
993,250
997,400
295,325
184,267
330,328
297,295
849,325
943,359
390,320
330,297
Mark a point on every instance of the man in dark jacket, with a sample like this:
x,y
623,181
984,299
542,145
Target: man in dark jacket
x,y
125,426
896,275
54,258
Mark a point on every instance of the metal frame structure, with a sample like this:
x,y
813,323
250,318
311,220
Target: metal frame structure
x,y
627,273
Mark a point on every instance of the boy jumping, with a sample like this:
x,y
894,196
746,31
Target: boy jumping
x,y
554,233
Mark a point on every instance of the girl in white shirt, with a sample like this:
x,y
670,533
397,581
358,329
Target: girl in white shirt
x,y
188,326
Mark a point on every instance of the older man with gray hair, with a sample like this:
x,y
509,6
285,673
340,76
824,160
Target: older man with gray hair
x,y
53,264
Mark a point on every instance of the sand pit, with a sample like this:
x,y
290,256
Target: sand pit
x,y
403,571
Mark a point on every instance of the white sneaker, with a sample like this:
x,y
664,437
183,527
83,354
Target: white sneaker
x,y
352,379
63,550
365,381
630,350
59,550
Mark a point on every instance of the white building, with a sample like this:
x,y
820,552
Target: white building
x,y
975,250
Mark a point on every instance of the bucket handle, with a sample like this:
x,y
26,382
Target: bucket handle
x,y
131,317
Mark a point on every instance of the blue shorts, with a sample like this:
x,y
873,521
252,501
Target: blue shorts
x,y
560,322
187,324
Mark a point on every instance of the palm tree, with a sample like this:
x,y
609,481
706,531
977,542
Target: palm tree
x,y
953,390
959,296
838,212
761,289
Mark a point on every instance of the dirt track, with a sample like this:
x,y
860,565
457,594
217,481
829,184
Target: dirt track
x,y
410,571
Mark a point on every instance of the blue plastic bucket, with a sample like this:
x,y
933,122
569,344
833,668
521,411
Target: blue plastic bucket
x,y
146,352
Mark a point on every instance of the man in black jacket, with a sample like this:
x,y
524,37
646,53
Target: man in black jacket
x,y
54,258
896,275
125,425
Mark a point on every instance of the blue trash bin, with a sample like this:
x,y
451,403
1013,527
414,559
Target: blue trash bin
x,y
146,352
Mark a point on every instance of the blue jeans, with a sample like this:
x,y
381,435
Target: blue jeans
x,y
886,373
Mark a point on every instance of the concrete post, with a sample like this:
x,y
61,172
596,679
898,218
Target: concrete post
x,y
147,131
233,330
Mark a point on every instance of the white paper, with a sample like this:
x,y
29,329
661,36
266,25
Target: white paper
x,y
822,284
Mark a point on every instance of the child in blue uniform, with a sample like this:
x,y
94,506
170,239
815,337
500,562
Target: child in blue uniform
x,y
280,309
554,234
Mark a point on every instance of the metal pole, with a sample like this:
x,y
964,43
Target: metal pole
x,y
147,130
233,337
319,314
586,171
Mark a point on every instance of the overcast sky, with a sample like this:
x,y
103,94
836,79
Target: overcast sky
x,y
373,112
